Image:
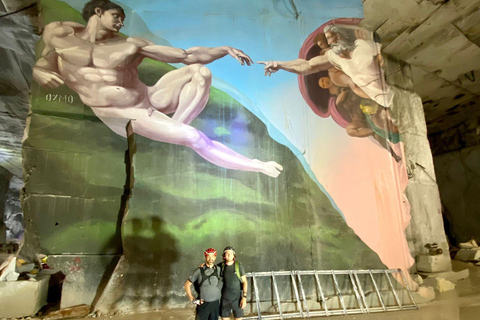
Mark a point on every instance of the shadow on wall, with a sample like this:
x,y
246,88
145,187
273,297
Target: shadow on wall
x,y
142,280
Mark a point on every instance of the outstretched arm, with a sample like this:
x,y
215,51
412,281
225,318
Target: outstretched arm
x,y
202,55
206,55
298,66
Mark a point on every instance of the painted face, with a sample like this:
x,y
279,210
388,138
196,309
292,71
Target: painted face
x,y
210,259
322,43
324,82
229,256
331,37
112,19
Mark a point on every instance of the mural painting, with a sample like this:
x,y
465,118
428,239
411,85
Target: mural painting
x,y
302,169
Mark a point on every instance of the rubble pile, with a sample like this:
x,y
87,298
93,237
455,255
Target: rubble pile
x,y
469,251
23,284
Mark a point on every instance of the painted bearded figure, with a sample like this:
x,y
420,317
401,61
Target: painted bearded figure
x,y
355,77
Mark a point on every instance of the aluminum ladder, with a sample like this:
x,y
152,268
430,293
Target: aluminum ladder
x,y
304,294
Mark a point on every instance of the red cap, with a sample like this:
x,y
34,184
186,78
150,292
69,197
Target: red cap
x,y
210,250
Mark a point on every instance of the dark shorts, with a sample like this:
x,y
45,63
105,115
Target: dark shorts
x,y
208,311
227,306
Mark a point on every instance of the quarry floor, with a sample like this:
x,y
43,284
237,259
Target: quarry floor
x,y
462,303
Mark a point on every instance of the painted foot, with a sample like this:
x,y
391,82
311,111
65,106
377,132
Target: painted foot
x,y
270,168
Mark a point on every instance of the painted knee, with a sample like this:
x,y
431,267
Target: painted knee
x,y
194,139
201,74
206,73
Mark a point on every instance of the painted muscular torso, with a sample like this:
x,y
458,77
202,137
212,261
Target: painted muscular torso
x,y
103,73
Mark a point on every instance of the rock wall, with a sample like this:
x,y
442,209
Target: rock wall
x,y
4,181
426,224
456,157
458,175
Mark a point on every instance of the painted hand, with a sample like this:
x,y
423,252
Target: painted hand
x,y
270,168
270,67
240,56
47,79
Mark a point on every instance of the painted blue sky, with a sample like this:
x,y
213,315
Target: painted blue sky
x,y
265,30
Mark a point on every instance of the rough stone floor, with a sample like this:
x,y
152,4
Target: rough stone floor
x,y
462,303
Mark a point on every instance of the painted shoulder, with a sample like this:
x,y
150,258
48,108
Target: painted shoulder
x,y
61,29
140,42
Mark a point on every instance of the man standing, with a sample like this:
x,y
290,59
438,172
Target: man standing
x,y
101,66
208,284
235,286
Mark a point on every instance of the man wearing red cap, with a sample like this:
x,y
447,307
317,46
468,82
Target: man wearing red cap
x,y
208,285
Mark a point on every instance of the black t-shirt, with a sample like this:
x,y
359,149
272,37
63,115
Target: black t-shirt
x,y
232,286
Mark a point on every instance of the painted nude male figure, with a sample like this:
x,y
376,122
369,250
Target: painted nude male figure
x,y
101,67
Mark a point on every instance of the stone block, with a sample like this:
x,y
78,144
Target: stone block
x,y
14,5
468,254
419,158
440,284
85,276
472,244
426,223
436,263
71,312
408,112
23,298
398,73
424,294
451,276
417,278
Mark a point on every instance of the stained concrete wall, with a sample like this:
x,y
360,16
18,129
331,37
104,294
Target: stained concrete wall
x,y
426,224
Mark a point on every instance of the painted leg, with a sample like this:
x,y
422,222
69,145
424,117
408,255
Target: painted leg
x,y
160,127
183,92
194,95
212,151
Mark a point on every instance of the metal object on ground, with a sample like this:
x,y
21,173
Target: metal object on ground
x,y
433,249
305,294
